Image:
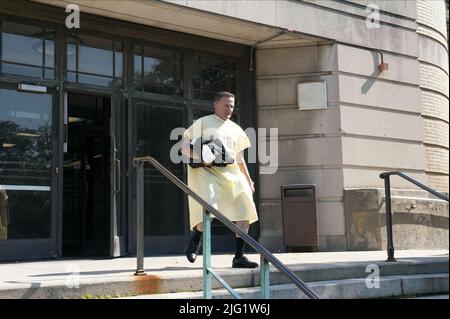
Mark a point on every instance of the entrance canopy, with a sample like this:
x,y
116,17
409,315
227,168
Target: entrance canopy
x,y
179,18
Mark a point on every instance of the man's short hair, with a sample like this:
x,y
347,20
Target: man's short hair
x,y
222,94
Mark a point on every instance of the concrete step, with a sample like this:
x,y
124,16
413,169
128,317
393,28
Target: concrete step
x,y
243,278
430,297
355,288
174,274
191,281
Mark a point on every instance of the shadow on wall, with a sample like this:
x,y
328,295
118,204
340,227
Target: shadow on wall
x,y
371,80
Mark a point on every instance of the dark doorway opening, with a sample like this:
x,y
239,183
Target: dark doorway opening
x,y
86,200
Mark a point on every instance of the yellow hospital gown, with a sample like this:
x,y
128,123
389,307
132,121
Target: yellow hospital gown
x,y
224,188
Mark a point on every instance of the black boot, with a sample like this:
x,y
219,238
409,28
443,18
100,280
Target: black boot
x,y
243,262
194,245
239,260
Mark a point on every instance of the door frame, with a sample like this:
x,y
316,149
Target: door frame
x,y
153,245
118,241
77,89
39,248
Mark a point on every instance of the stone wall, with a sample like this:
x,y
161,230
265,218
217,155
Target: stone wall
x,y
419,220
309,142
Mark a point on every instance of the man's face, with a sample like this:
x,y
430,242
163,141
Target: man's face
x,y
224,108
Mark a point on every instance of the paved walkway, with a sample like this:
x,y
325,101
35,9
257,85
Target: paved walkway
x,y
19,275
432,297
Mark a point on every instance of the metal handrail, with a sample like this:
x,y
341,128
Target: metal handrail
x,y
266,256
387,189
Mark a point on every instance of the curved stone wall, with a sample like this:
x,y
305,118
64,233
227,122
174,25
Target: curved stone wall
x,y
434,83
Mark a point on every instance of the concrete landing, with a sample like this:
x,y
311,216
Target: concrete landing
x,y
88,278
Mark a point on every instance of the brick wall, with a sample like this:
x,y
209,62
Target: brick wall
x,y
434,84
436,132
432,14
434,78
434,105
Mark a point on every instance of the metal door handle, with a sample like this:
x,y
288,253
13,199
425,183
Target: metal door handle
x,y
117,186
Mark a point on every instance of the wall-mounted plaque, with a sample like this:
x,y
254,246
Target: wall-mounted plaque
x,y
312,95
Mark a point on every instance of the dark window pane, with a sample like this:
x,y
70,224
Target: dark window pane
x,y
162,70
49,53
49,74
164,212
22,70
26,225
211,61
154,126
25,163
204,95
94,80
163,89
22,49
118,56
138,69
71,56
71,77
95,60
211,75
232,82
163,209
118,82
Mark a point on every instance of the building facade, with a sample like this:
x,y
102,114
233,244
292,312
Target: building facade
x,y
78,104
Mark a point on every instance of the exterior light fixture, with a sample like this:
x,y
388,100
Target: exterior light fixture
x,y
382,66
32,88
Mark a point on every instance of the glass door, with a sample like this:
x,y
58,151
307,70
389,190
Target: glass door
x,y
118,153
27,175
86,188
165,211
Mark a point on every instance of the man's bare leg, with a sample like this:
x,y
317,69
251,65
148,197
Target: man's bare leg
x,y
199,227
242,225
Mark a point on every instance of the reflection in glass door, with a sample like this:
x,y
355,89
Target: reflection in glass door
x,y
26,150
86,177
164,205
